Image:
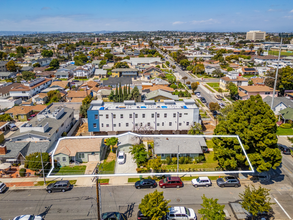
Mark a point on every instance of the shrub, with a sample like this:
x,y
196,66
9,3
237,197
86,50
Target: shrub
x,y
169,160
181,160
22,172
188,82
286,125
174,160
187,160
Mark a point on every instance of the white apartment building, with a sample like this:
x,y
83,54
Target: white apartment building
x,y
86,70
256,35
149,115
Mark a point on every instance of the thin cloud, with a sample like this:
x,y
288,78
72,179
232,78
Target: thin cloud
x,y
45,8
271,9
209,21
291,11
178,22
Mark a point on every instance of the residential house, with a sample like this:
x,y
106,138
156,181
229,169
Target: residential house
x,y
48,125
168,116
188,147
89,85
289,95
152,72
287,114
116,81
246,91
3,66
22,113
126,141
9,103
85,71
280,103
27,68
262,59
4,125
134,62
258,81
262,71
5,88
40,69
76,94
233,77
43,62
40,99
156,87
160,95
97,92
62,84
159,81
28,89
80,150
125,72
65,73
249,71
7,75
45,74
101,73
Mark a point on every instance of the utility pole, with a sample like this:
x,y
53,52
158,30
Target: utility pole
x,y
178,161
98,195
43,168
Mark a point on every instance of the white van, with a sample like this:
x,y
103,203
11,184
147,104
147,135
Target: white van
x,y
181,213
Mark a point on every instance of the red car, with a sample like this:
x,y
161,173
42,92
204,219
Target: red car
x,y
171,182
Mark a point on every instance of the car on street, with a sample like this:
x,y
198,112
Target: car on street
x,y
171,182
228,181
3,187
13,127
201,181
113,216
59,186
75,80
121,159
141,216
180,213
203,100
197,94
218,97
285,149
145,183
28,217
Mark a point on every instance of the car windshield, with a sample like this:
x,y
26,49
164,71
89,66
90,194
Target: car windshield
x,y
187,211
197,179
120,157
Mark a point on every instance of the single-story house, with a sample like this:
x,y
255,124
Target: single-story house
x,y
7,75
159,95
249,71
100,73
22,113
152,72
287,114
169,147
46,74
80,150
280,103
41,98
76,94
125,142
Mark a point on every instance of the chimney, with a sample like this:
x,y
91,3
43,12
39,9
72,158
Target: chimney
x,y
3,150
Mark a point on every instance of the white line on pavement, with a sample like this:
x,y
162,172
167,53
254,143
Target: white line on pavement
x,y
282,208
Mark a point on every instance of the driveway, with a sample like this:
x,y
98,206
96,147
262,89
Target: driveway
x,y
9,133
129,166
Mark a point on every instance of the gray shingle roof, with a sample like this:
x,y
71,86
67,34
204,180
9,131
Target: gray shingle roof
x,y
113,81
192,145
278,100
159,92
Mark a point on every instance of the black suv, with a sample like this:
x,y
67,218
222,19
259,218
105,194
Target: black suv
x,y
62,186
203,100
228,181
145,183
285,149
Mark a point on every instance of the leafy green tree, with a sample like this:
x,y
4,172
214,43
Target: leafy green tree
x,y
184,63
80,59
214,106
155,164
21,49
211,210
154,205
112,141
54,96
36,65
121,65
134,95
250,82
184,78
198,69
139,154
111,96
102,63
109,56
86,102
33,161
5,117
233,89
195,129
27,75
217,73
47,53
3,55
255,123
12,67
194,86
251,46
54,64
256,201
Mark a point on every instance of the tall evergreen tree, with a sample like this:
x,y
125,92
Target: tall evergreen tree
x,y
128,93
125,93
120,93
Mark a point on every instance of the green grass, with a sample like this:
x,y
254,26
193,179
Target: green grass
x,y
284,131
248,76
103,79
170,76
66,170
209,88
200,102
204,76
103,180
108,167
133,180
214,84
276,53
203,114
210,144
189,178
41,183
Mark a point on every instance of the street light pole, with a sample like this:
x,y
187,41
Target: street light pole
x,y
276,77
178,161
43,168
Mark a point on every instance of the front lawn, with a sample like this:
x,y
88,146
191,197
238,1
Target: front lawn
x,y
41,183
107,167
170,76
67,170
284,131
103,180
214,84
104,79
276,53
248,76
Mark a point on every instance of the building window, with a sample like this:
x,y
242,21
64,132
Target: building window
x,y
121,116
114,115
119,124
162,123
162,155
187,155
136,115
149,124
95,125
130,115
267,93
158,124
185,113
143,115
127,124
180,124
81,155
170,123
58,158
114,125
63,159
107,125
141,124
180,115
100,115
174,115
107,116
136,124
158,115
96,116
165,115
102,125
187,123
153,115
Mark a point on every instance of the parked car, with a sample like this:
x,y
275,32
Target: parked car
x,y
171,182
180,213
145,183
198,94
285,149
201,181
61,186
113,216
56,80
121,157
75,80
13,127
3,187
203,100
28,217
228,181
218,97
140,216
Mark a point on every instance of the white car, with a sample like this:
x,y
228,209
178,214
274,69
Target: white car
x,y
28,217
121,157
201,181
180,213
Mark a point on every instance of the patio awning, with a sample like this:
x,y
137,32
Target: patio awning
x,y
5,166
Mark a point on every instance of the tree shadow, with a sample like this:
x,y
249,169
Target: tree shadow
x,y
43,214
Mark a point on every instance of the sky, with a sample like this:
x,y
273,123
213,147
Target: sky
x,y
146,15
